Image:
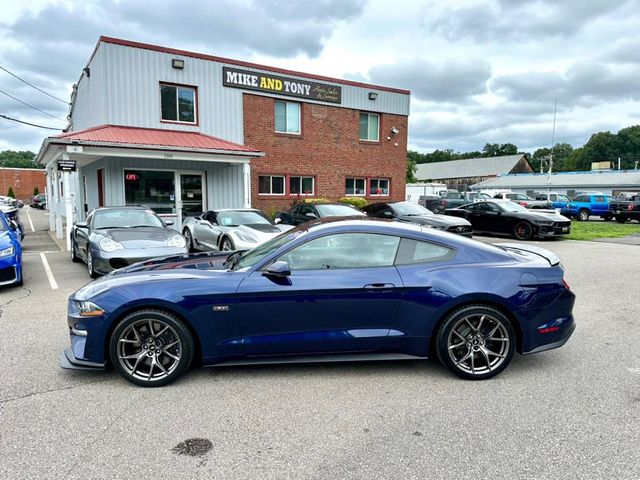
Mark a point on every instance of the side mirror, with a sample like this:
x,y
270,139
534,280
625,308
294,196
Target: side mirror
x,y
82,225
278,269
168,223
311,215
13,225
277,220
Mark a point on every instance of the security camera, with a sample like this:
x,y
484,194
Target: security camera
x,y
394,130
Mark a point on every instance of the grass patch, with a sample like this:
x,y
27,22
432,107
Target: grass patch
x,y
593,230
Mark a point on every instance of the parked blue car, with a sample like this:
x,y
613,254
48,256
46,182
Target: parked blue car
x,y
10,253
584,206
325,291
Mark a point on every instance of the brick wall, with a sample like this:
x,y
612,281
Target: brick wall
x,y
328,149
22,181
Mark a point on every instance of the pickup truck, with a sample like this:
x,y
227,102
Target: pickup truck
x,y
625,207
584,206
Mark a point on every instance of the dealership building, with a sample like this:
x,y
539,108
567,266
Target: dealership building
x,y
183,132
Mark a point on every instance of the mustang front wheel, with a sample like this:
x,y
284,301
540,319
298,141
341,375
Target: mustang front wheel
x,y
476,342
151,348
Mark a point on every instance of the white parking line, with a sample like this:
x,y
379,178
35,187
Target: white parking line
x,y
47,270
30,222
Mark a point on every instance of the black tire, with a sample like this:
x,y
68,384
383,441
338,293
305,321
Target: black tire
x,y
621,219
21,281
74,256
90,269
583,215
145,361
477,342
607,218
189,238
226,245
523,231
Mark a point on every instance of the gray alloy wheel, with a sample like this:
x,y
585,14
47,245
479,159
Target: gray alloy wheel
x,y
523,231
227,245
189,237
476,342
92,272
583,215
151,348
74,255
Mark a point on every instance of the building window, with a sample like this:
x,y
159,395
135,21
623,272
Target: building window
x,y
287,117
178,103
301,185
155,189
379,187
355,186
270,185
370,127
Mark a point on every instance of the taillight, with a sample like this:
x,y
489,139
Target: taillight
x,y
524,204
548,330
444,203
566,285
630,207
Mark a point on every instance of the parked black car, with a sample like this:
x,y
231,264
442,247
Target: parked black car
x,y
410,212
503,217
39,201
304,212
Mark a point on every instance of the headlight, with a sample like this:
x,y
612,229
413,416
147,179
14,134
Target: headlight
x,y
7,252
88,309
545,224
439,227
245,237
177,241
109,245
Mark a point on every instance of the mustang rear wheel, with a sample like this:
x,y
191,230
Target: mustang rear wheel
x,y
523,231
476,342
151,348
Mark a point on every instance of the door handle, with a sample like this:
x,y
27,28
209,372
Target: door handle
x,y
379,287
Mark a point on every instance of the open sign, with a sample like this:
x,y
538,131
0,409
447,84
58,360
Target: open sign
x,y
132,177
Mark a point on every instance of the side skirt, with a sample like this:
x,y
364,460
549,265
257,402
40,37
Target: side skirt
x,y
317,359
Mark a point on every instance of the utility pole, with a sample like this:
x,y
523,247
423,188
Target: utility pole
x,y
553,141
618,163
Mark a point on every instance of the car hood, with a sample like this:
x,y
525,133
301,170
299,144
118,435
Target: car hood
x,y
549,216
435,220
140,237
261,232
5,240
206,266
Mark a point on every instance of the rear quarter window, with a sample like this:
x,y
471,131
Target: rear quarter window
x,y
414,251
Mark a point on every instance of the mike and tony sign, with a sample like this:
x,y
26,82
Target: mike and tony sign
x,y
262,82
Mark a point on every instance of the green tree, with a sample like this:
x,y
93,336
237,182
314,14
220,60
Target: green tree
x,y
10,193
499,149
412,166
22,159
36,191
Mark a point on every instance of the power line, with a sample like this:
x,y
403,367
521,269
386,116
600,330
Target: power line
x,y
33,86
27,123
30,106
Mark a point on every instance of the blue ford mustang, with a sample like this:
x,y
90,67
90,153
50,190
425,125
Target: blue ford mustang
x,y
326,290
10,252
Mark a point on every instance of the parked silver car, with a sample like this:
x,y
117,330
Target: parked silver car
x,y
229,229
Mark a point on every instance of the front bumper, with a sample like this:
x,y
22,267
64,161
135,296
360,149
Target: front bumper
x,y
69,361
10,270
105,262
554,231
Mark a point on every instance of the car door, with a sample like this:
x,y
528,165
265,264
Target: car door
x,y
342,295
82,237
482,216
207,231
600,205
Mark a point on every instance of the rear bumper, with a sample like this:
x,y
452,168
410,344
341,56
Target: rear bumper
x,y
69,361
551,327
564,338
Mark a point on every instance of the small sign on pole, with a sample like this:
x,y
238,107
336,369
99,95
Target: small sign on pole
x,y
66,165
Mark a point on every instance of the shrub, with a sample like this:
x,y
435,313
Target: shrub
x,y
10,193
316,200
36,191
357,202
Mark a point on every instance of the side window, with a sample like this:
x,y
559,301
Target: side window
x,y
414,251
304,209
210,217
344,251
564,198
599,198
553,198
89,219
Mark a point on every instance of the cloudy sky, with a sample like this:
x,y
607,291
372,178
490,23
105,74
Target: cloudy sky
x,y
479,70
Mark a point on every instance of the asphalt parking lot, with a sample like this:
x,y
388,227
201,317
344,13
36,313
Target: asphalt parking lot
x,y
567,413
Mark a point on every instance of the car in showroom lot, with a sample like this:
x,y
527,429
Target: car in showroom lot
x,y
10,253
586,205
329,290
299,214
114,237
410,212
229,229
504,217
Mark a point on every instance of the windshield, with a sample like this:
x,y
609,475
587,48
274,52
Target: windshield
x,y
127,217
406,208
338,211
253,256
512,207
235,218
